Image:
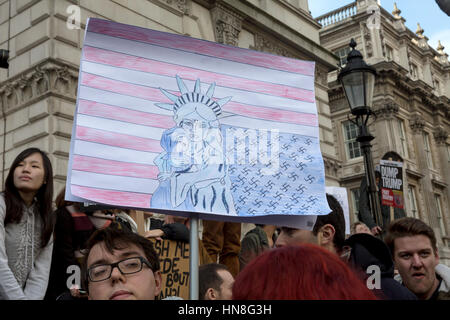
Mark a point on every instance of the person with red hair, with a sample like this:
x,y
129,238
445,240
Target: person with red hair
x,y
300,272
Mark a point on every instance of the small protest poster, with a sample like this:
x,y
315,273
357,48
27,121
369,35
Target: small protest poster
x,y
392,183
180,125
340,194
174,267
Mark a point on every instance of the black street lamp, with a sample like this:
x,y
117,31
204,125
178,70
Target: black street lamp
x,y
358,80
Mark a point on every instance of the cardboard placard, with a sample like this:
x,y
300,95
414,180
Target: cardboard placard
x,y
391,183
174,267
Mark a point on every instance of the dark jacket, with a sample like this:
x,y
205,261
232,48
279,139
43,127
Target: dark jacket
x,y
365,214
366,251
70,236
172,231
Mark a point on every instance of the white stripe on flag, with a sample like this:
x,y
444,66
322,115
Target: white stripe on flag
x,y
110,182
136,130
120,100
243,122
92,149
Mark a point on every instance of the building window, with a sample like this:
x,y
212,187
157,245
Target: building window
x,y
389,53
427,149
342,54
351,145
437,199
413,202
414,71
355,202
401,138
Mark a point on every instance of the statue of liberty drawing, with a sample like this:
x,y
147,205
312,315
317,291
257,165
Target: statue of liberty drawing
x,y
193,174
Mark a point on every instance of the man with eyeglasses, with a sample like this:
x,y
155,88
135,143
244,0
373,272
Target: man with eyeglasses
x,y
121,265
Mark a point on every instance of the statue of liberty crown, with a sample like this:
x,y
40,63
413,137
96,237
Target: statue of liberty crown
x,y
193,97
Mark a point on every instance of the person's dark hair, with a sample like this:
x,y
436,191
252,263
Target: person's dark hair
x,y
44,196
208,277
408,227
61,202
117,239
336,219
377,174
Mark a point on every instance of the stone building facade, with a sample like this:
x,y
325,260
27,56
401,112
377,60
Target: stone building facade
x,y
411,104
45,38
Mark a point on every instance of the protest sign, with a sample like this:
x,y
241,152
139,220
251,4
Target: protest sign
x,y
174,267
180,125
391,183
341,196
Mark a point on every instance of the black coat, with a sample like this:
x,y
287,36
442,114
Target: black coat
x,y
366,251
365,214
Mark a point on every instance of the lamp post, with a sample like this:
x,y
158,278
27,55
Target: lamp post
x,y
358,80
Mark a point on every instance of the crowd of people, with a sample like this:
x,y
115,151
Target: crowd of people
x,y
38,245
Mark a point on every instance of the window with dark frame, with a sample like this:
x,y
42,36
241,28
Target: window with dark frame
x,y
351,145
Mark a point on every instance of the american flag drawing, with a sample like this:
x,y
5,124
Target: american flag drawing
x,y
129,78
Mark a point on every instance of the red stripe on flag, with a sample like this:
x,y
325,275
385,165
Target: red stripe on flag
x,y
263,113
118,139
121,87
162,68
278,115
117,168
112,197
200,47
93,108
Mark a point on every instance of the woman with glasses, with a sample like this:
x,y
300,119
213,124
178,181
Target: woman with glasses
x,y
121,266
26,227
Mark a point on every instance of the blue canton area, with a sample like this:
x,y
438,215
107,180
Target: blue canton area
x,y
262,183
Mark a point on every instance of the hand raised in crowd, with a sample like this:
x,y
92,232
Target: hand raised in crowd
x,y
76,292
376,230
155,233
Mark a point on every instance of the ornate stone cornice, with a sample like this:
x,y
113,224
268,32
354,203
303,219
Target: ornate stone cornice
x,y
264,43
335,93
331,166
46,78
179,5
385,109
440,135
227,25
417,124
